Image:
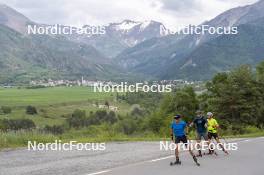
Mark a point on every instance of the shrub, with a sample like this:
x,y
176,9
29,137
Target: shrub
x,y
137,111
31,110
102,116
128,126
77,119
155,124
111,117
107,104
6,109
55,129
17,124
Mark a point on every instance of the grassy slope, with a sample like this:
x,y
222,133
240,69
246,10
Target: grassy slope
x,y
53,104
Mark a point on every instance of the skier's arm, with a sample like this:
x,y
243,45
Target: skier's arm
x,y
206,123
216,125
186,130
192,123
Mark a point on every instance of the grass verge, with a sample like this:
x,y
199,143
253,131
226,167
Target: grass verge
x,y
21,138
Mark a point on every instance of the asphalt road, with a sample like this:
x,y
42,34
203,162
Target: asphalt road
x,y
135,158
247,160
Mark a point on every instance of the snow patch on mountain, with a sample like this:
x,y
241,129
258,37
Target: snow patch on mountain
x,y
144,25
126,25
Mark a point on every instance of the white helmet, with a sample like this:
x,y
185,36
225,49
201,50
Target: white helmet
x,y
209,114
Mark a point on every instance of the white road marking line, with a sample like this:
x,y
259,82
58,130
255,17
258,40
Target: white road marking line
x,y
100,172
163,158
246,140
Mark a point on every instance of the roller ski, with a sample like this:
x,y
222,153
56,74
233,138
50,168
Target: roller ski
x,y
227,153
177,162
211,153
196,161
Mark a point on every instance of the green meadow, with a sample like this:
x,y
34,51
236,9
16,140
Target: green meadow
x,y
49,96
55,103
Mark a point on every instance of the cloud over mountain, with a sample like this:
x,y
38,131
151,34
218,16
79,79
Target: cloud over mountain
x,y
79,12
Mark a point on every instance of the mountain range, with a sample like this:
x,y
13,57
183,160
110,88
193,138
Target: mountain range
x,y
130,49
199,57
123,35
27,57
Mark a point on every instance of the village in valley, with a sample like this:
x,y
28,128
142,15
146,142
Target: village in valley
x,y
92,83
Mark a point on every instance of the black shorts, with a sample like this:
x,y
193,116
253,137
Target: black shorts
x,y
212,135
182,139
200,135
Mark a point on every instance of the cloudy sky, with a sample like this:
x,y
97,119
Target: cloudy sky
x,y
173,13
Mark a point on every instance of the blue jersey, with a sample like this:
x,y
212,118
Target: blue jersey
x,y
199,124
178,128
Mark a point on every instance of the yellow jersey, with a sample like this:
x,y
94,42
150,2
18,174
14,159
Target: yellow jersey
x,y
212,125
